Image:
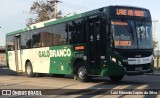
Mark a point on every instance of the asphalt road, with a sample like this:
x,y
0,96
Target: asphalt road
x,y
67,87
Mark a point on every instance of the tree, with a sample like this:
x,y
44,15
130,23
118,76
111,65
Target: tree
x,y
42,11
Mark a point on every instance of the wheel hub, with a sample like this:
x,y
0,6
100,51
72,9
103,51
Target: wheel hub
x,y
28,70
82,72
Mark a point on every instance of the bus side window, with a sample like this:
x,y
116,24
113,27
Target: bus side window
x,y
46,39
36,38
77,31
26,40
60,34
10,43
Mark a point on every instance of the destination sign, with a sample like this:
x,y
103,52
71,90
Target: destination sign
x,y
119,23
131,12
122,43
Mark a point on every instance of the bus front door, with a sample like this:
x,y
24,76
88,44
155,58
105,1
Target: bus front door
x,y
18,61
94,45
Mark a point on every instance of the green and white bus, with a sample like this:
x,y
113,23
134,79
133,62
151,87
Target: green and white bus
x,y
112,41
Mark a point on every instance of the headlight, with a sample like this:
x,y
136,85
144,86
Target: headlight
x,y
114,59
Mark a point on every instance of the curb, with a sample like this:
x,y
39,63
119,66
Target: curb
x,y
155,74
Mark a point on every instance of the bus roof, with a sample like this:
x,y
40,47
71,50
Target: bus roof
x,y
53,21
44,24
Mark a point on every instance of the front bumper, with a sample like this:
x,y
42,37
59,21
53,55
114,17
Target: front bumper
x,y
139,72
138,69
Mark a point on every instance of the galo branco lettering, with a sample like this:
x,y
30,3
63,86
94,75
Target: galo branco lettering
x,y
56,53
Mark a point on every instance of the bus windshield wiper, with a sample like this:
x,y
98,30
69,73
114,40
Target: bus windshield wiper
x,y
140,29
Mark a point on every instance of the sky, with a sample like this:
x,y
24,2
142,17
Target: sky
x,y
14,13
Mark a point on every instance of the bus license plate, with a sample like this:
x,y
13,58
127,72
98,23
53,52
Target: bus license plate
x,y
138,68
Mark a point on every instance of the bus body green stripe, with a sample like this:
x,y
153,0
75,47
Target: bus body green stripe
x,y
60,59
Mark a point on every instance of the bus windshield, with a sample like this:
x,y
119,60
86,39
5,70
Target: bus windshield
x,y
132,34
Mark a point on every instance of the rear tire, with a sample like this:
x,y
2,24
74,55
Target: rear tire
x,y
29,70
116,78
81,73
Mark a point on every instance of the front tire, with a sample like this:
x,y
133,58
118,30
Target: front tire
x,y
81,73
29,70
116,78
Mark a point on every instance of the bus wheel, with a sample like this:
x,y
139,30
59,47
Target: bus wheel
x,y
81,72
116,78
29,70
